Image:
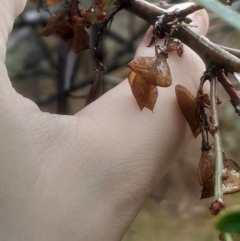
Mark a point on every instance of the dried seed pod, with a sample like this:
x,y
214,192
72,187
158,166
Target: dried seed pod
x,y
175,45
231,169
71,32
206,173
147,73
189,107
230,176
80,39
152,69
55,23
144,92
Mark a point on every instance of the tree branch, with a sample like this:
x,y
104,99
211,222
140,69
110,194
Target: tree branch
x,y
211,54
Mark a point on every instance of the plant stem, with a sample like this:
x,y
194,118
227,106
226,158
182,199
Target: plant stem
x,y
218,193
211,54
218,190
227,237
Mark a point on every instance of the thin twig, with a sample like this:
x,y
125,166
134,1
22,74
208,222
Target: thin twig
x,y
232,92
104,27
218,189
63,82
218,192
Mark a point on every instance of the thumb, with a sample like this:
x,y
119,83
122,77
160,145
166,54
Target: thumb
x,y
199,19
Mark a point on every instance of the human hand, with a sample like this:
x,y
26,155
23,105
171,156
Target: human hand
x,y
84,177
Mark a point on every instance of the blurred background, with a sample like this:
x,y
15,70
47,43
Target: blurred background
x,y
174,211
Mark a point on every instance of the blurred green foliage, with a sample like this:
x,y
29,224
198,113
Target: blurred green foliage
x,y
228,221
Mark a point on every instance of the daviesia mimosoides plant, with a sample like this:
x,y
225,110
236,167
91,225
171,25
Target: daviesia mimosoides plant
x,y
217,174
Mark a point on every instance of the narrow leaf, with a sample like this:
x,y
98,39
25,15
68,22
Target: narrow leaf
x,y
225,12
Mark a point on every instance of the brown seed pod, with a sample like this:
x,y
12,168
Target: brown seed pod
x,y
189,107
230,176
231,169
152,69
144,92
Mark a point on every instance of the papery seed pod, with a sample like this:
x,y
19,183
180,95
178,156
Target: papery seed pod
x,y
230,176
54,24
232,170
175,45
147,73
206,173
152,69
144,92
189,107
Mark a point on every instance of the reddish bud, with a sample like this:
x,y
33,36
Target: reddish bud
x,y
216,207
225,176
75,18
102,16
212,129
87,12
218,101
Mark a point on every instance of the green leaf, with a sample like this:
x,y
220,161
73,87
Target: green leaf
x,y
229,220
225,12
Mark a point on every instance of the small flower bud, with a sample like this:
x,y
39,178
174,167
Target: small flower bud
x,y
216,207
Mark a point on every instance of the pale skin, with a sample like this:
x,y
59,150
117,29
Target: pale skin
x,y
85,177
